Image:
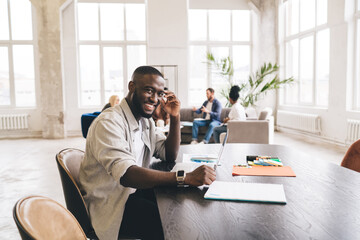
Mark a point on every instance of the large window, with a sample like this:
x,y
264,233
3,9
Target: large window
x,y
111,43
304,52
223,33
356,88
17,65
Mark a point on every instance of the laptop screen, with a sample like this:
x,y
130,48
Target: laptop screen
x,y
221,149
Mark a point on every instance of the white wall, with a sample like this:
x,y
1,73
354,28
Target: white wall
x,y
168,39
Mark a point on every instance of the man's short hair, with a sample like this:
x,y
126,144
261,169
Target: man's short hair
x,y
143,70
210,89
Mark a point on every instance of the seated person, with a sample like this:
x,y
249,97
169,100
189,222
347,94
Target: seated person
x,y
161,117
211,110
237,112
114,176
113,100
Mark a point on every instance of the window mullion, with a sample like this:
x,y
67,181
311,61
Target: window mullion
x,y
125,63
101,58
209,78
11,76
11,59
356,58
314,83
299,72
102,76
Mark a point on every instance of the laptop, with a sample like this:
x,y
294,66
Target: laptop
x,y
194,161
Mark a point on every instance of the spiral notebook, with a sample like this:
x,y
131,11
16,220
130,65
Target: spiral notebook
x,y
247,192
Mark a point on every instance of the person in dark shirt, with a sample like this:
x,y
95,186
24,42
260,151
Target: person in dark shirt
x,y
211,110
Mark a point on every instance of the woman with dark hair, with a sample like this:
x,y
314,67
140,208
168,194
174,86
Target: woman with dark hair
x,y
237,112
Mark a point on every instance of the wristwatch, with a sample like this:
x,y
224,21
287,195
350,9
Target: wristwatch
x,y
180,178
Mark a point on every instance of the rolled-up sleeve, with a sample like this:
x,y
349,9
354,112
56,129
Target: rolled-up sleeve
x,y
111,148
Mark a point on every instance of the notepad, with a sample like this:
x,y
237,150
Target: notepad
x,y
264,171
247,192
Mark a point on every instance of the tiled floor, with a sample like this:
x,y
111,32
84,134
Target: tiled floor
x,y
28,167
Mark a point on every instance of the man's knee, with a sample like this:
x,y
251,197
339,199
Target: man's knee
x,y
214,124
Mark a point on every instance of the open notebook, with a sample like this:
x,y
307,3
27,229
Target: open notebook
x,y
248,192
193,161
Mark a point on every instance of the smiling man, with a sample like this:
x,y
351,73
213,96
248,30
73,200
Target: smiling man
x,y
115,180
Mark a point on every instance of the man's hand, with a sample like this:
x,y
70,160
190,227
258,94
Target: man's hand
x,y
226,120
204,110
200,176
171,105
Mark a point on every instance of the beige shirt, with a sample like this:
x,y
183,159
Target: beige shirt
x,y
110,151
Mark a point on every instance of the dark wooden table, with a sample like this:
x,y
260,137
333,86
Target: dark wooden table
x,y
323,201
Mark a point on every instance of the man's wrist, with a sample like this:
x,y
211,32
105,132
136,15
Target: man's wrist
x,y
176,117
180,178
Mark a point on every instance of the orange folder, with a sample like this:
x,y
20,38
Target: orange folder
x,y
264,171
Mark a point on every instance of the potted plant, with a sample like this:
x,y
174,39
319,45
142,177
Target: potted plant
x,y
258,84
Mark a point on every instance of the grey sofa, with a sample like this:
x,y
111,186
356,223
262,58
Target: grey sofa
x,y
187,115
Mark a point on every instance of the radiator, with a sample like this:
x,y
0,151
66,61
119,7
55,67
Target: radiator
x,y
299,121
13,121
353,130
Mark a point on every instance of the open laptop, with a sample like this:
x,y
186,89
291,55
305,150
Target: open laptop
x,y
196,161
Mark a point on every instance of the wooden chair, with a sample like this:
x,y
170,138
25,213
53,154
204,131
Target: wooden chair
x,y
38,217
352,157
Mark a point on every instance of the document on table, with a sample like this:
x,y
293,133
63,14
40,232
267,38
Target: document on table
x,y
248,192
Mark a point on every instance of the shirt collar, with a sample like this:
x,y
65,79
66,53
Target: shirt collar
x,y
134,125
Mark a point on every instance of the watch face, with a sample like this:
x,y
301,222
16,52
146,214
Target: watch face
x,y
180,173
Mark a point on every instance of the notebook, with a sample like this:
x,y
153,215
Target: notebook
x,y
193,161
264,171
247,192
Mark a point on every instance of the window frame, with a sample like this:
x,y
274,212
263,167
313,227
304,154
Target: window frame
x,y
123,44
9,45
209,44
355,102
284,39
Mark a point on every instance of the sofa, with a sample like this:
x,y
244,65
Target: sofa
x,y
256,129
187,116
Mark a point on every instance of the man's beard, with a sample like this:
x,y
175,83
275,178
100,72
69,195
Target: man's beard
x,y
139,107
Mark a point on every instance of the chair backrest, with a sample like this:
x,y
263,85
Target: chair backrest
x,y
40,218
86,120
265,113
249,131
68,162
352,157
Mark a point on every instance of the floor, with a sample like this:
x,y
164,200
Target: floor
x,y
28,167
